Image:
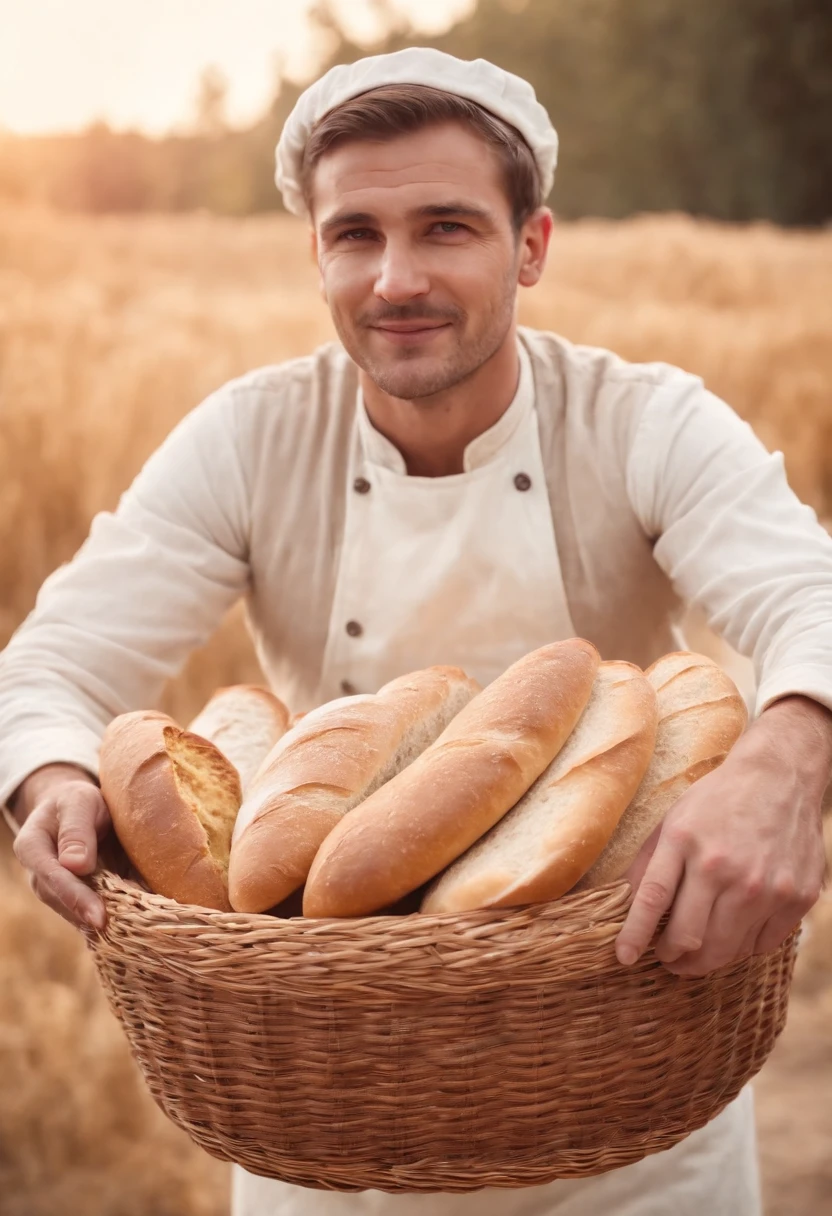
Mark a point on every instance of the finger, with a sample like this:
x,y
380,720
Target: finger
x,y
82,904
749,942
728,936
793,898
777,928
35,848
45,896
80,810
689,920
653,897
640,862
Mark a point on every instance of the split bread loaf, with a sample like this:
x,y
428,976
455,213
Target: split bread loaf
x,y
701,716
244,721
173,798
489,755
560,825
332,759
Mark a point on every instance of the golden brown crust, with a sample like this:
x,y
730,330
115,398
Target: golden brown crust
x,y
429,814
701,716
150,794
244,721
333,758
560,826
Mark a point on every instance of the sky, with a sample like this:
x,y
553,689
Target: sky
x,y
136,63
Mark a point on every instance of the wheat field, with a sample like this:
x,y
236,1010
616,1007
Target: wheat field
x,y
110,330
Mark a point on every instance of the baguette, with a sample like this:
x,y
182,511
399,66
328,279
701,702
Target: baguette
x,y
244,721
490,754
701,716
173,798
559,827
334,757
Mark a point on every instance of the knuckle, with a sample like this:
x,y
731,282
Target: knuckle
x,y
718,865
653,894
680,836
753,886
784,889
72,835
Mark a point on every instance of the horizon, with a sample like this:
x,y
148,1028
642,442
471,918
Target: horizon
x,y
138,66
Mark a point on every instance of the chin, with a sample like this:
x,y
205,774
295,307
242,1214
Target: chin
x,y
410,379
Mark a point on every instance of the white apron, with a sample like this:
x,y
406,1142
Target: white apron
x,y
464,570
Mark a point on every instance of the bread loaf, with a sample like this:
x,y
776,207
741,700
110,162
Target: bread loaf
x,y
173,798
334,757
559,827
489,755
701,716
244,721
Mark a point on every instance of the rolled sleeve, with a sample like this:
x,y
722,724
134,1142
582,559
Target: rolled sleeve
x,y
734,539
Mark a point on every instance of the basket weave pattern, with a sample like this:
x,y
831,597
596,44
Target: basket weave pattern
x,y
428,1053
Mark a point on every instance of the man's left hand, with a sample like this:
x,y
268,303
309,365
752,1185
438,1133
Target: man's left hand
x,y
739,859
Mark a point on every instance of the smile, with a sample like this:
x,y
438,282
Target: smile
x,y
409,334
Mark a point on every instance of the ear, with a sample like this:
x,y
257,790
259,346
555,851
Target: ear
x,y
534,245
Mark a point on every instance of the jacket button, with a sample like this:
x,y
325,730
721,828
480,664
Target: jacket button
x,y
523,481
361,485
348,689
354,629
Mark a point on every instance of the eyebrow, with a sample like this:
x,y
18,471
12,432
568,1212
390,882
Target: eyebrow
x,y
344,219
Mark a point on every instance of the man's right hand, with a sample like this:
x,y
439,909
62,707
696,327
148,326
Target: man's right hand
x,y
64,817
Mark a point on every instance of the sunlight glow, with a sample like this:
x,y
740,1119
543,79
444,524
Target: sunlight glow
x,y
136,63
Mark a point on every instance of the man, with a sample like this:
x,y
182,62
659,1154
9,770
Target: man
x,y
443,488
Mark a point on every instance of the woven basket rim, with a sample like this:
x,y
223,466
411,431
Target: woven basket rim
x,y
572,913
540,943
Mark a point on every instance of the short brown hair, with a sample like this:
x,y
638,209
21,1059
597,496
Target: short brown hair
x,y
396,109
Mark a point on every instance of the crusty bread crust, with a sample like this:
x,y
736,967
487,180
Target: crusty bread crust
x,y
488,756
701,716
173,798
560,825
244,721
333,758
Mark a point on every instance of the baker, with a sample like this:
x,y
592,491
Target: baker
x,y
444,487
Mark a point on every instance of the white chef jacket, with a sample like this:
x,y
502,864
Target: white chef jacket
x,y
200,527
205,523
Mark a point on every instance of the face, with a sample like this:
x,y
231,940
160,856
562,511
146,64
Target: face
x,y
418,257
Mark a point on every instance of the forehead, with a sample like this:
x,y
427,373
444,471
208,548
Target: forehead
x,y
394,175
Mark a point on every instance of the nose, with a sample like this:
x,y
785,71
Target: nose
x,y
400,277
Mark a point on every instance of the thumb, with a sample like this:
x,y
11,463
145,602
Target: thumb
x,y
81,811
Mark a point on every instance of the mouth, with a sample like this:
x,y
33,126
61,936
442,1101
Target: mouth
x,y
410,331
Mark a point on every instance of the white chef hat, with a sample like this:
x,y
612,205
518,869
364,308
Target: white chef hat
x,y
509,97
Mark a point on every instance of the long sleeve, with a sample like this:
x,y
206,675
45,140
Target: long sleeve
x,y
734,539
151,582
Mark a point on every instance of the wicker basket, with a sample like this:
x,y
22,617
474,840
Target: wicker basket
x,y
428,1053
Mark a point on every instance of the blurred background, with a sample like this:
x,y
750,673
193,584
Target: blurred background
x,y
716,109
145,259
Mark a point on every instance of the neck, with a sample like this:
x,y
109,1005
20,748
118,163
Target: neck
x,y
433,432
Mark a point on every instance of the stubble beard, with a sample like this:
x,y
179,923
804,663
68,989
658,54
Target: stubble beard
x,y
403,377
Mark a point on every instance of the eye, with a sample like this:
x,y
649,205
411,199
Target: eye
x,y
354,234
449,227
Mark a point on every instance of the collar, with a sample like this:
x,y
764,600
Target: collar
x,y
481,450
